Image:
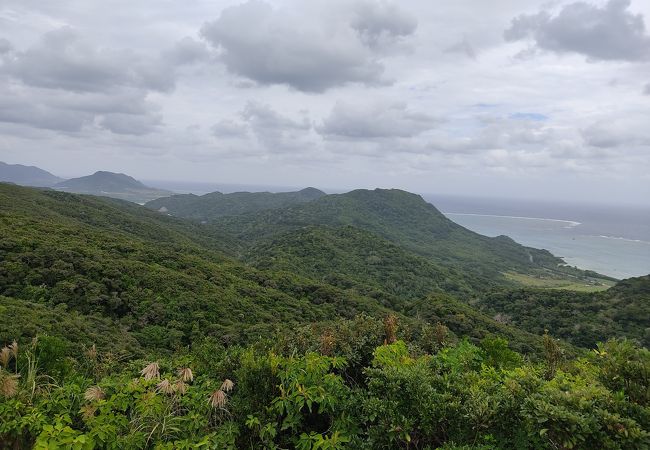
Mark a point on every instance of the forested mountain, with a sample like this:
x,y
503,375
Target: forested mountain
x,y
159,274
169,282
407,221
132,265
211,206
27,175
109,184
360,320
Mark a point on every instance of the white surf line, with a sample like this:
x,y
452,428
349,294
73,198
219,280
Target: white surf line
x,y
639,241
571,223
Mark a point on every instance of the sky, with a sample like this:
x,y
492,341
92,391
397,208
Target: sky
x,y
506,98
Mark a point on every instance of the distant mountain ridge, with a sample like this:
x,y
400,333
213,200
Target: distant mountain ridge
x,y
110,184
102,180
27,175
216,204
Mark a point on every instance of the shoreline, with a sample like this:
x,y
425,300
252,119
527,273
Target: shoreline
x,y
615,256
572,223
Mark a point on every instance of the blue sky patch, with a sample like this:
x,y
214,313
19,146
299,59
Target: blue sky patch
x,y
529,116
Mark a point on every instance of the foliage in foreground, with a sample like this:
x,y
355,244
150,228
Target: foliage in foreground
x,y
340,391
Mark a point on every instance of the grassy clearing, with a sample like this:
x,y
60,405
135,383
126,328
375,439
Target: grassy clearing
x,y
569,284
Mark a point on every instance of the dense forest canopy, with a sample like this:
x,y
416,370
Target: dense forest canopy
x,y
358,320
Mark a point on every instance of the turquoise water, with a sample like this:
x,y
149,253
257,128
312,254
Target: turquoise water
x,y
580,244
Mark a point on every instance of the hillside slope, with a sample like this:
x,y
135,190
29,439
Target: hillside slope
x,y
99,256
214,205
348,257
31,320
165,283
408,221
581,318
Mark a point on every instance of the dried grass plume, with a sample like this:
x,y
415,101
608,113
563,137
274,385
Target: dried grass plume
x,y
151,371
94,393
5,356
8,385
227,385
165,387
185,374
88,411
92,352
390,328
218,399
181,387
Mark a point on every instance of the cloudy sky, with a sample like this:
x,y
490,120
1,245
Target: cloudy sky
x,y
520,98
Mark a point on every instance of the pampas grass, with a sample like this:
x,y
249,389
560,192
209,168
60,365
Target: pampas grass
x,y
94,393
165,387
88,411
92,352
390,328
151,371
181,387
218,399
185,374
5,356
8,385
227,385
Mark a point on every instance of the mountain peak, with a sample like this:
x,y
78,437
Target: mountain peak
x,y
27,175
311,192
112,184
102,181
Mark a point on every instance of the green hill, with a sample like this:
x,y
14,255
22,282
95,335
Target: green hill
x,y
148,272
27,320
211,206
109,184
330,330
408,221
167,282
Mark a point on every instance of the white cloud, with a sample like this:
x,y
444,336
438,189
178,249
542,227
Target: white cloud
x,y
610,32
341,92
375,120
296,48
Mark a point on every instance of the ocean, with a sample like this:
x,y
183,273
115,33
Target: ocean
x,y
610,239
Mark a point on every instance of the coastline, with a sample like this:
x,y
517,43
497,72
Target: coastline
x,y
572,223
583,247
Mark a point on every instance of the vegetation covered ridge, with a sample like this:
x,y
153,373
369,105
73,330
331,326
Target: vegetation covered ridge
x,y
154,275
215,204
323,329
408,221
